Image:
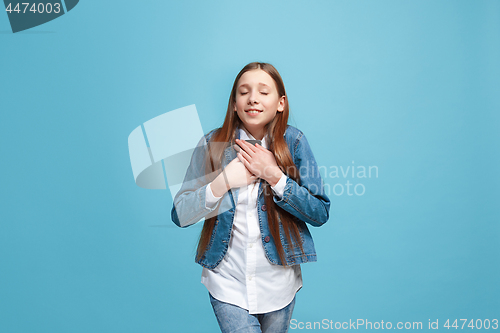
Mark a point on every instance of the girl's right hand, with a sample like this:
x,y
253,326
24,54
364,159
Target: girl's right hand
x,y
237,175
234,175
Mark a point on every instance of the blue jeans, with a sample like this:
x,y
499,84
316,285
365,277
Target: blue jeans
x,y
232,318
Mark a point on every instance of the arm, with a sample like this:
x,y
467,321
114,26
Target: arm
x,y
189,203
307,200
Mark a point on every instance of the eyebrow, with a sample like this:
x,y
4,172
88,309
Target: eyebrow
x,y
260,84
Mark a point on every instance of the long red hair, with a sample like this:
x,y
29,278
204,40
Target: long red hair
x,y
276,144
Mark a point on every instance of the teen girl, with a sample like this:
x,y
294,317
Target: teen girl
x,y
256,201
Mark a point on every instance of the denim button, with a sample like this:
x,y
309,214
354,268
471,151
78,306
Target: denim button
x,y
264,208
267,238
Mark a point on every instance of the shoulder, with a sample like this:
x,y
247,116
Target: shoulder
x,y
210,134
293,136
293,131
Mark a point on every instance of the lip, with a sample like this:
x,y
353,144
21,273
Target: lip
x,y
253,114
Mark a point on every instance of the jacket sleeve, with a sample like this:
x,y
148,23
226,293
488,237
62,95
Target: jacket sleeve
x,y
307,201
189,204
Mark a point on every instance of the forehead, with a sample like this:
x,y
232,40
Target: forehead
x,y
256,77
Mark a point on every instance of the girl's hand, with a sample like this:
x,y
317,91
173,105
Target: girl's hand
x,y
234,175
259,161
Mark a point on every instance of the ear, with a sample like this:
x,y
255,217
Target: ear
x,y
281,104
234,108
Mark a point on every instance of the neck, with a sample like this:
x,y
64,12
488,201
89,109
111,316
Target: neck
x,y
257,133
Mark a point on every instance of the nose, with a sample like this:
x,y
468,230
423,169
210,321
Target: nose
x,y
252,98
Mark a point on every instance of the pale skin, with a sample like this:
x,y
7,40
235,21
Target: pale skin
x,y
256,92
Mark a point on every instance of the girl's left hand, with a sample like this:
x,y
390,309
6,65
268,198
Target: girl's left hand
x,y
259,161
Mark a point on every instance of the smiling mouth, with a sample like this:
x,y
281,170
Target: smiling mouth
x,y
252,111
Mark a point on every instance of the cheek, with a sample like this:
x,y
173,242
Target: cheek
x,y
236,105
273,104
239,103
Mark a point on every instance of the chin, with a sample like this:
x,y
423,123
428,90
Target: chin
x,y
253,123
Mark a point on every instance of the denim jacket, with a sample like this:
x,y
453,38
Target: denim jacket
x,y
306,202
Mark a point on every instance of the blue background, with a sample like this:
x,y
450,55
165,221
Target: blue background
x,y
411,87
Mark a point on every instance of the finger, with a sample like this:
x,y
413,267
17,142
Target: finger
x,y
266,152
262,148
245,154
236,147
242,158
246,164
249,148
